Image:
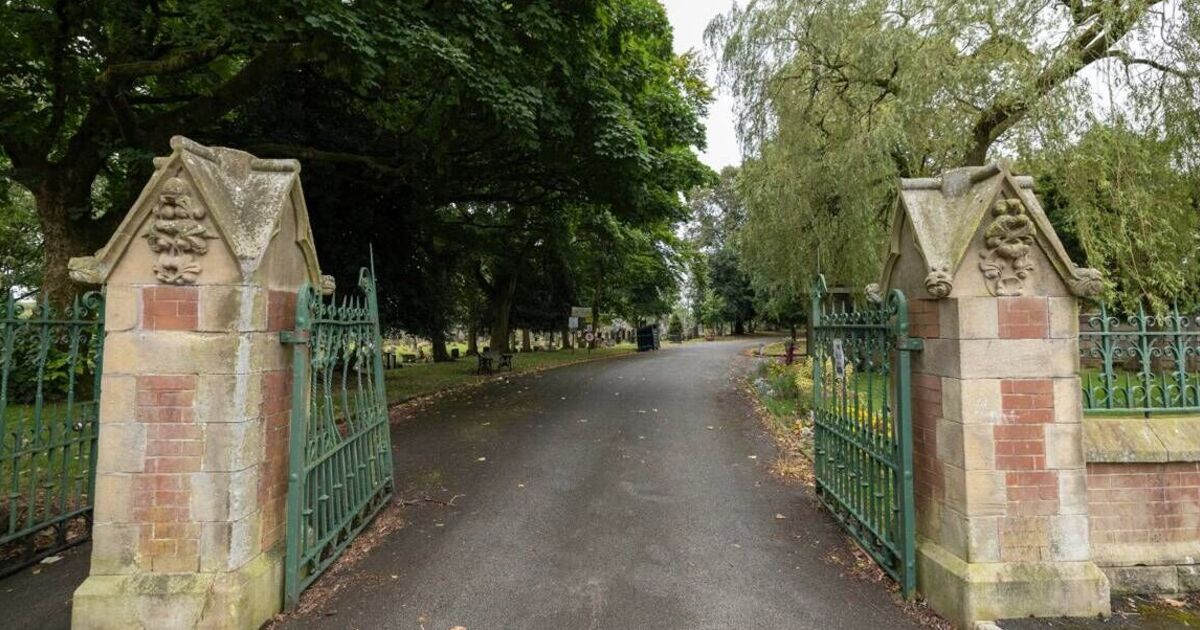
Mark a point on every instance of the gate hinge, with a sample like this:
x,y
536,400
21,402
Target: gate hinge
x,y
910,343
299,337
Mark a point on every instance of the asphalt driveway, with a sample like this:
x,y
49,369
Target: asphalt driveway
x,y
630,493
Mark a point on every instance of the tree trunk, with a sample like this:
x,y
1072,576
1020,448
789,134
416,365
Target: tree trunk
x,y
506,288
437,341
525,346
739,327
63,201
566,337
473,337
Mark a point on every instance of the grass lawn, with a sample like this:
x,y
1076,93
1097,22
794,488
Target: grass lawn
x,y
47,470
1126,388
421,379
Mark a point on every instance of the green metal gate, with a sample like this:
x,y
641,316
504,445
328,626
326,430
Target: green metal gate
x,y
862,408
340,466
50,364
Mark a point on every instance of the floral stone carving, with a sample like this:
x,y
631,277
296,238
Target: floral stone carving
x,y
1008,241
177,235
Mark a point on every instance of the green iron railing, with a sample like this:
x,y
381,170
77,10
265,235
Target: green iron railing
x,y
862,410
50,364
1140,363
340,466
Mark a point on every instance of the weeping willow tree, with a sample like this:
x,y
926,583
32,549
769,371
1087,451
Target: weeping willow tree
x,y
1131,208
836,99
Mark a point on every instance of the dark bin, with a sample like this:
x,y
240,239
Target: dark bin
x,y
647,338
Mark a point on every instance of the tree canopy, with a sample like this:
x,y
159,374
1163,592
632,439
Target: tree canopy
x,y
838,99
473,143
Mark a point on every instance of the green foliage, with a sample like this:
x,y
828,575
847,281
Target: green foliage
x,y
20,257
675,326
839,99
1131,209
712,310
473,143
733,286
47,362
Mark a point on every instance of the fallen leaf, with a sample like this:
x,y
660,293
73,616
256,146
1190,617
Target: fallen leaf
x,y
752,456
51,559
481,459
780,516
710,428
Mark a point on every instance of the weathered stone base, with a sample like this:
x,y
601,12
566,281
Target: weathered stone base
x,y
1149,568
968,592
245,598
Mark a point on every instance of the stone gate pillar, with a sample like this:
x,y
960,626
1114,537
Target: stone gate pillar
x,y
201,276
1002,512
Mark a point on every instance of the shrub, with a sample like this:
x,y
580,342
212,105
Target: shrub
x,y
675,327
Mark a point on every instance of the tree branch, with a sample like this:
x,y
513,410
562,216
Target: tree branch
x,y
1129,60
181,61
269,149
249,80
1089,46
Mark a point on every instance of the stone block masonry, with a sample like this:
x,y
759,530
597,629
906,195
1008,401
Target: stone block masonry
x,y
1143,491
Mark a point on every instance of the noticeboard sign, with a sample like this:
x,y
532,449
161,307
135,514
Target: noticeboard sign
x,y
839,358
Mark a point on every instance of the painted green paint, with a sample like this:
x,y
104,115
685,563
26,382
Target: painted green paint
x,y
340,454
862,411
50,364
1148,364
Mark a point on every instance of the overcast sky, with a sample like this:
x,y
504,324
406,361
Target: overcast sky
x,y
689,17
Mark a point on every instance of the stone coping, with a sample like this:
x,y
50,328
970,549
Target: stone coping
x,y
1146,554
1158,439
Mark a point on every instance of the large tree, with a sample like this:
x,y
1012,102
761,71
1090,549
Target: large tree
x,y
839,98
80,82
1130,208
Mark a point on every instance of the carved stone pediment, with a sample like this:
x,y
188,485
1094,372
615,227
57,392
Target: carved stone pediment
x,y
198,196
978,231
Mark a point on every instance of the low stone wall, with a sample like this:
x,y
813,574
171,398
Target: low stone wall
x,y
1144,502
